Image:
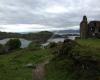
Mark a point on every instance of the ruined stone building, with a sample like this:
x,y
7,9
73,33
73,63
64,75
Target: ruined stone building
x,y
89,30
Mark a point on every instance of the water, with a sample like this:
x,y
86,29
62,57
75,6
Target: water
x,y
56,40
72,37
24,42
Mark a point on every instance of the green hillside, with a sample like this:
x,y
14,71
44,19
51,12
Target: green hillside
x,y
71,60
82,63
13,66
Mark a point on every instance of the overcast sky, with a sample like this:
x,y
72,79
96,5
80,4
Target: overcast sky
x,y
35,15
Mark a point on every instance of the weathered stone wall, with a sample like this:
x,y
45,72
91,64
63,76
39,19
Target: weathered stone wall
x,y
94,29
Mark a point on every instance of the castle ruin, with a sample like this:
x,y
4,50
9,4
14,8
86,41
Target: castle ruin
x,y
89,30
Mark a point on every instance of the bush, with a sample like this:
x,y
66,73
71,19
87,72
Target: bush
x,y
66,48
1,49
34,46
52,45
13,44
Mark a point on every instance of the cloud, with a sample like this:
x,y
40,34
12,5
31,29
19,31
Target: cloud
x,y
48,13
56,9
29,28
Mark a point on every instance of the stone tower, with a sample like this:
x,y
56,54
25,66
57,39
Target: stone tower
x,y
84,28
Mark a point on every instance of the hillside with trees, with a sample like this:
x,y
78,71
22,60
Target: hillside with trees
x,y
36,37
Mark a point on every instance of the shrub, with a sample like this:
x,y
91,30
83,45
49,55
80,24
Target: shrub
x,y
52,45
34,46
66,48
13,44
1,49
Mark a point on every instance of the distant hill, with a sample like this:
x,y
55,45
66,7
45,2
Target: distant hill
x,y
67,31
41,37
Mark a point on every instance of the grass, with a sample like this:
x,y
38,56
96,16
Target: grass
x,y
62,69
56,70
95,43
12,66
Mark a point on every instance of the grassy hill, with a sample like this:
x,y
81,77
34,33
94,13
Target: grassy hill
x,y
80,60
13,66
82,64
95,43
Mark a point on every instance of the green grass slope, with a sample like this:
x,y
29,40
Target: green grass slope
x,y
95,43
84,66
13,65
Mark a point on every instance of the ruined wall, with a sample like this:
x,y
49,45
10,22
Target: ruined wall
x,y
94,29
89,30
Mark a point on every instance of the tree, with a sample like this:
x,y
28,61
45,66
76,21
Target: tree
x,y
13,44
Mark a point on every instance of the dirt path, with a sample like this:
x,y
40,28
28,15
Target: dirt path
x,y
39,72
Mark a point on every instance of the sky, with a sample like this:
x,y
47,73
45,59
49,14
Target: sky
x,y
39,15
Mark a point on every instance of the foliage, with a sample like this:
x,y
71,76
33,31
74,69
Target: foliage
x,y
74,62
13,44
2,49
66,47
52,45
